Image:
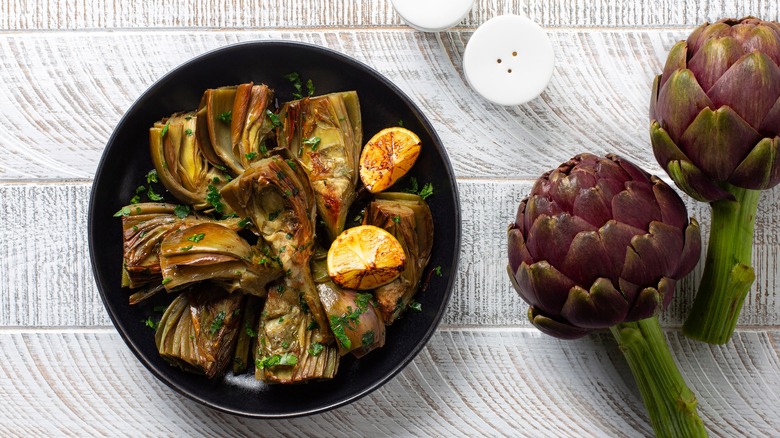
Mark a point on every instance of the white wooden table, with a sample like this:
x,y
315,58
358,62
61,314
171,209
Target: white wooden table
x,y
70,68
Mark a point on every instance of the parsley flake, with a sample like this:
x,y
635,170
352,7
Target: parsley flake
x,y
181,211
315,349
314,142
225,117
217,322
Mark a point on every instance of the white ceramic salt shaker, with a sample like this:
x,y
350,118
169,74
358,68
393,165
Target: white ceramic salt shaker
x,y
432,15
509,60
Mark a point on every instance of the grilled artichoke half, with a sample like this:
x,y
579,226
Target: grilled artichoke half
x,y
210,251
408,218
275,195
198,330
325,134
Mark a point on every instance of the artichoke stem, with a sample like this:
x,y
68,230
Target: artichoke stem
x,y
728,273
668,400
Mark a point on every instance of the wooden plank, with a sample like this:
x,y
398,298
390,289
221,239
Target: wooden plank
x,y
141,14
464,383
49,282
65,91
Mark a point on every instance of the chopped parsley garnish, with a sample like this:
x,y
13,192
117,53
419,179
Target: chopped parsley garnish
x,y
164,130
312,325
362,301
215,199
310,87
217,322
125,211
149,322
285,359
401,122
285,344
181,211
273,215
437,271
249,332
280,288
397,219
414,305
426,191
196,237
295,78
250,155
152,195
314,142
166,280
135,199
215,180
359,217
185,248
413,187
160,309
151,177
188,131
367,339
315,349
225,117
337,325
243,222
273,118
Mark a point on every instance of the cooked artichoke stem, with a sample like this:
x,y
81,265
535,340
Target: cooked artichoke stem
x,y
407,217
243,351
286,330
210,251
325,134
199,328
272,194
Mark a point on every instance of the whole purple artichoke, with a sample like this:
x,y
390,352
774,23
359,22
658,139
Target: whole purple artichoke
x,y
715,129
599,244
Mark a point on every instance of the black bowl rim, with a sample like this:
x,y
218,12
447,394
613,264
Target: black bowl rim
x,y
123,331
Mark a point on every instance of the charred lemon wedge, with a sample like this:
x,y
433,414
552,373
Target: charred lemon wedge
x,y
387,157
365,257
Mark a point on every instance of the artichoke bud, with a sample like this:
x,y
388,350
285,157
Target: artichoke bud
x,y
717,128
599,242
199,328
210,251
325,135
354,319
408,218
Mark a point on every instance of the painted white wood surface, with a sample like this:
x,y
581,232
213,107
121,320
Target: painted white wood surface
x,y
70,68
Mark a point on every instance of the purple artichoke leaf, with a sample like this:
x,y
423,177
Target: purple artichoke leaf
x,y
648,303
661,248
636,206
760,170
691,252
676,60
714,59
755,101
770,126
695,183
617,236
598,308
673,211
679,102
551,327
593,206
518,253
664,148
543,286
550,237
587,259
717,141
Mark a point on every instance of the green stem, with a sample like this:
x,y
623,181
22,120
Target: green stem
x,y
728,274
668,400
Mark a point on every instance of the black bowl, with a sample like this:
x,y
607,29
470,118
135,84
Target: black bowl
x,y
126,160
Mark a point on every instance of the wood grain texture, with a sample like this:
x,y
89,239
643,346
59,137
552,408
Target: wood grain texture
x,y
80,83
467,383
49,281
141,14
